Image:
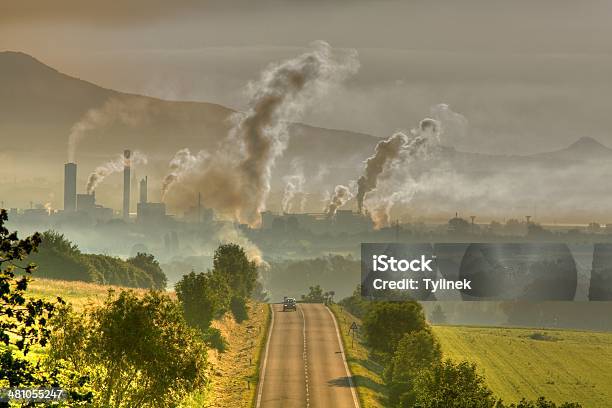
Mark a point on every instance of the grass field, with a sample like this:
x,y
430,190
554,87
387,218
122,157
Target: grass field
x,y
78,294
561,365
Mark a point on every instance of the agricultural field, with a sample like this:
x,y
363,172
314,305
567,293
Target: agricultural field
x,y
562,365
78,294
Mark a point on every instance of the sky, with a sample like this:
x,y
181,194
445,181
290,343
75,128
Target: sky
x,y
529,76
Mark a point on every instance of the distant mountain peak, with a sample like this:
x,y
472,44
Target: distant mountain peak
x,y
587,143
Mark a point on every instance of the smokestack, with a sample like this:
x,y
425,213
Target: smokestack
x,y
143,190
70,180
127,154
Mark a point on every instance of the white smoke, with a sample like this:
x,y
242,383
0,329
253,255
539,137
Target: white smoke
x,y
396,184
113,166
236,181
182,163
342,194
130,111
228,233
294,185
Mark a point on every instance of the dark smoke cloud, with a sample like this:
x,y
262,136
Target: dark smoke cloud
x,y
385,151
236,181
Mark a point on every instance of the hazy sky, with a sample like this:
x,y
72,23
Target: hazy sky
x,y
528,75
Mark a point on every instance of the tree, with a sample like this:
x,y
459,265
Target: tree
x,y
449,385
203,296
543,403
25,322
315,295
137,351
231,262
149,264
385,323
416,352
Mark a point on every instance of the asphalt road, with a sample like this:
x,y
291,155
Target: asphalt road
x,y
303,364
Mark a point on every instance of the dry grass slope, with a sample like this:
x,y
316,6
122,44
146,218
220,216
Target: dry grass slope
x,y
234,373
366,373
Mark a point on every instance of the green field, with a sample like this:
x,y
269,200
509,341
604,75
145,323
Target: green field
x,y
562,365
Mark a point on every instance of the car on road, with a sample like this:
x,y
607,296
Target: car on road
x,y
289,304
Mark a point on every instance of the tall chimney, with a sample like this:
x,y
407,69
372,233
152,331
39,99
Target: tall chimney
x,y
70,181
127,154
143,190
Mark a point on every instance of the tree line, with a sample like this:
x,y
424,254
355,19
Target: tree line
x,y
416,374
63,260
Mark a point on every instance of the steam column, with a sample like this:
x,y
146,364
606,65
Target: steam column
x,y
70,181
127,154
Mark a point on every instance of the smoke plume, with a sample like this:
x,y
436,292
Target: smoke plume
x,y
395,182
182,163
385,151
236,181
341,196
113,166
294,184
229,233
130,111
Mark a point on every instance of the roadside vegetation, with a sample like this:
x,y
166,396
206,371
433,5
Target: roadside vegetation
x,y
416,372
118,347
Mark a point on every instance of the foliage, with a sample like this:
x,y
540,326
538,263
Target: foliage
x,y
64,260
203,297
149,264
215,339
315,295
231,261
385,323
355,303
542,403
136,351
416,352
449,385
239,309
294,277
25,322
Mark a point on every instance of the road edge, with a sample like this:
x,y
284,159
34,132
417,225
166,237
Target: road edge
x,y
264,360
346,367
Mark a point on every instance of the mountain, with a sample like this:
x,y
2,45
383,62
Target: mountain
x,y
585,148
39,105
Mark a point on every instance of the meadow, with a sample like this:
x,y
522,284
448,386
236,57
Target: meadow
x,y
562,365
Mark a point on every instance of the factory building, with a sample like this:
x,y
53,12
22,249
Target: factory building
x,y
344,221
146,212
70,187
86,204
